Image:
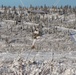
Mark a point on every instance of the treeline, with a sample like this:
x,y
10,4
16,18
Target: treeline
x,y
21,13
65,9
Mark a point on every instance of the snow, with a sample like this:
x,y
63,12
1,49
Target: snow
x,y
72,31
38,62
31,23
54,53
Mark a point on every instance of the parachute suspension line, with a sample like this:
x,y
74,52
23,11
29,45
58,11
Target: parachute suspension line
x,y
29,53
22,3
52,52
56,2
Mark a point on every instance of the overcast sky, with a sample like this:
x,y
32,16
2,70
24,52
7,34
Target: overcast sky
x,y
37,2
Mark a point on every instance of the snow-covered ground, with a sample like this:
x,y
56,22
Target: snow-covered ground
x,y
54,52
38,63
